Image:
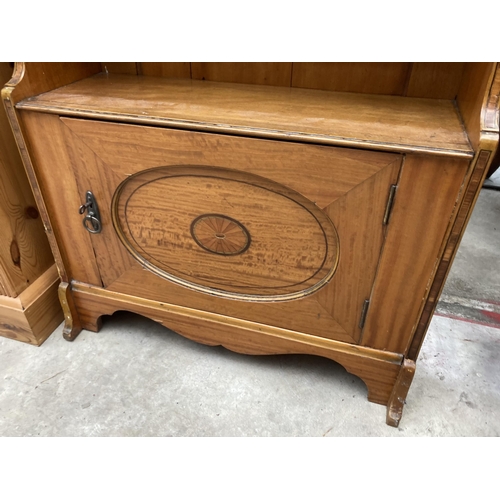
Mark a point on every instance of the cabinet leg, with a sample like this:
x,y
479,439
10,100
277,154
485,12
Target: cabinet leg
x,y
399,392
72,326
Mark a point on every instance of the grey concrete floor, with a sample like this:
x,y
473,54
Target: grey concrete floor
x,y
136,378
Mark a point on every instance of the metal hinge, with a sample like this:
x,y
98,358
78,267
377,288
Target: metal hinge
x,y
364,312
390,204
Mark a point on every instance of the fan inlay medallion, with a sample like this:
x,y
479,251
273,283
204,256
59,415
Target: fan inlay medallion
x,y
220,234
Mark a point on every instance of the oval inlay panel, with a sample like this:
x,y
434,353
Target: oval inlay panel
x,y
225,232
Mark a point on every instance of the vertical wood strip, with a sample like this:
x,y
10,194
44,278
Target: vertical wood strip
x,y
449,253
24,251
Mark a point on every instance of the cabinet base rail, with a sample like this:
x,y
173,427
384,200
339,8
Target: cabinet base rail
x,y
386,375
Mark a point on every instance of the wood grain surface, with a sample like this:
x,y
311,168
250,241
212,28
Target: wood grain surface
x,y
72,322
397,400
255,73
35,313
166,70
423,211
60,195
24,250
471,97
283,246
381,122
468,198
362,236
435,80
366,78
125,68
31,79
106,154
438,80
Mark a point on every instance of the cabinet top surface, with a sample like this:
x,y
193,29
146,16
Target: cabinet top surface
x,y
389,123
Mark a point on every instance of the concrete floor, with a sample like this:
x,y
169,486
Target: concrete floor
x,y
135,378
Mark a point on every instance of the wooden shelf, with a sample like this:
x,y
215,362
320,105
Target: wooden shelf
x,y
388,123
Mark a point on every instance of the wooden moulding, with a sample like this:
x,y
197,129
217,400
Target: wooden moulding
x,y
34,314
378,369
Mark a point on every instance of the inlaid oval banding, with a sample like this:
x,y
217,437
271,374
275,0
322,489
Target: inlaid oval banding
x,y
225,232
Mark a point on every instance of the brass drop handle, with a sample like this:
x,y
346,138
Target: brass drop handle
x,y
92,221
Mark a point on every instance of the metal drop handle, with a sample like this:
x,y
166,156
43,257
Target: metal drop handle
x,y
92,221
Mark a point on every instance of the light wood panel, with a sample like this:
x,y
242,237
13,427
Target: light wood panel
x,y
422,213
91,173
24,250
35,313
438,80
435,80
361,233
381,122
255,73
105,154
165,69
225,232
488,136
306,315
128,149
470,194
366,78
56,181
29,79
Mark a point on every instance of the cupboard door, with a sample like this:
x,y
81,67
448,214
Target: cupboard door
x,y
273,232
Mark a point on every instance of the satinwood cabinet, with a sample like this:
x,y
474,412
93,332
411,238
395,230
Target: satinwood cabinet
x,y
266,207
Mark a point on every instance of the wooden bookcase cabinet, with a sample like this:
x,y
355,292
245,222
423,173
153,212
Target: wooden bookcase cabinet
x,y
267,207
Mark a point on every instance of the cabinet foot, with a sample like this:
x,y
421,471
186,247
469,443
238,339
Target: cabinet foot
x,y
72,325
399,392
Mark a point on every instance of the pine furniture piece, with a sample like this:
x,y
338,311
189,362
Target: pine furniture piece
x,y
267,207
29,304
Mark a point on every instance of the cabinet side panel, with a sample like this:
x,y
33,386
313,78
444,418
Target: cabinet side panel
x,y
58,187
24,250
423,210
471,97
